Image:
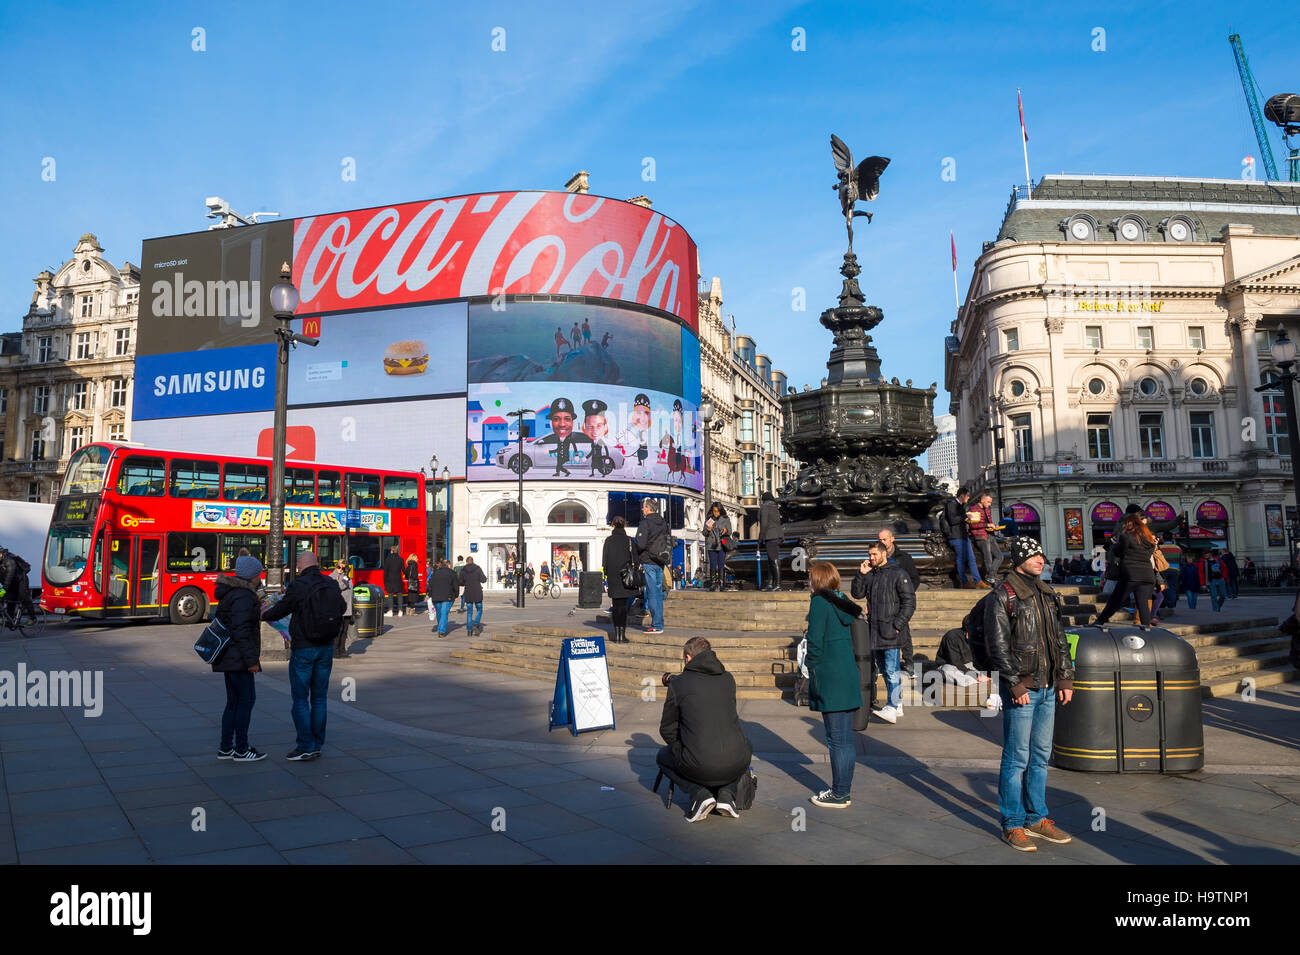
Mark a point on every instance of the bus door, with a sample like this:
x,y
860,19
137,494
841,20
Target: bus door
x,y
294,544
148,551
117,567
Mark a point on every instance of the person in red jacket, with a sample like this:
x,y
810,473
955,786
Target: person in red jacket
x,y
1214,577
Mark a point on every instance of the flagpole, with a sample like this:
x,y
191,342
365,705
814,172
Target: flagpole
x,y
1024,144
955,297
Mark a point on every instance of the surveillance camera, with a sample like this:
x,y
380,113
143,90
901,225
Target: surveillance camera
x,y
217,204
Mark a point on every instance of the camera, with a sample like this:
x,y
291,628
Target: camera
x,y
665,678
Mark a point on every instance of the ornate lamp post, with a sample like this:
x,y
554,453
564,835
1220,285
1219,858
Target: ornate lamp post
x,y
1284,356
284,301
999,444
521,591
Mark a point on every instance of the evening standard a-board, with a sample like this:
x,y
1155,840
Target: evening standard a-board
x,y
582,698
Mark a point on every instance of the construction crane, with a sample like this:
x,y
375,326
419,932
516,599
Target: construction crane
x,y
1249,85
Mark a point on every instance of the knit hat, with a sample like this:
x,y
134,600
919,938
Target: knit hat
x,y
1023,548
248,567
306,559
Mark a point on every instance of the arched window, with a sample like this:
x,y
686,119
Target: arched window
x,y
568,512
506,513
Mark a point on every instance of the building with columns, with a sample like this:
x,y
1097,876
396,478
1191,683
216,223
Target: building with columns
x,y
66,378
1116,331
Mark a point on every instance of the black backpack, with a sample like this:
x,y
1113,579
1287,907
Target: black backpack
x,y
746,789
322,611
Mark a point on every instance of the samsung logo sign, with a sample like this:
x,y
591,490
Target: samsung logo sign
x,y
198,382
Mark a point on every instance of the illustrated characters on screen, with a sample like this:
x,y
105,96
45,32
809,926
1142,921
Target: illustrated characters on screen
x,y
595,427
634,440
566,443
678,446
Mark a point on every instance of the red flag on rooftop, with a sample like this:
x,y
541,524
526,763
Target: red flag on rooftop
x,y
1021,106
954,249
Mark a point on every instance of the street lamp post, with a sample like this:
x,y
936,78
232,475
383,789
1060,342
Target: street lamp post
x,y
998,445
284,301
521,591
1284,356
446,538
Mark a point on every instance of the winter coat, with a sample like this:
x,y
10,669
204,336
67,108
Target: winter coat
x,y
1027,645
769,521
891,601
1133,555
834,682
412,576
345,588
1190,570
1204,569
442,584
721,528
616,554
652,528
394,575
953,523
904,560
954,648
472,580
295,595
701,726
237,608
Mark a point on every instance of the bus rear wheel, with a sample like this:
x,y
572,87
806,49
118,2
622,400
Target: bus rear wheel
x,y
188,605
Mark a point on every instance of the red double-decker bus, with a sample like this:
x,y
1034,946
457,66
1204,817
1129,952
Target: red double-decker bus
x,y
142,532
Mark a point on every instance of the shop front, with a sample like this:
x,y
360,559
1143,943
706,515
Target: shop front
x,y
1028,522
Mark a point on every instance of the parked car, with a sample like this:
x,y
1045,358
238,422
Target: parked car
x,y
543,455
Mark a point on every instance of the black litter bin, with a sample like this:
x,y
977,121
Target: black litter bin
x,y
367,602
1136,705
591,589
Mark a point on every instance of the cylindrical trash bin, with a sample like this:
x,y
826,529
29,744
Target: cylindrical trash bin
x,y
1136,705
591,589
367,604
861,634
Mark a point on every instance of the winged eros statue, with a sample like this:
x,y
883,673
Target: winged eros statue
x,y
860,184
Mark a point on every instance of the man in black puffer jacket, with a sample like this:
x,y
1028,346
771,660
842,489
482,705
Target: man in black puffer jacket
x,y
237,608
706,748
890,605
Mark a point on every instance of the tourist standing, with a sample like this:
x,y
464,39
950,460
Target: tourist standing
x,y
980,519
654,550
835,684
1190,571
412,583
343,578
471,579
237,609
617,553
394,581
890,605
442,591
770,533
1230,564
1132,552
953,526
1029,651
1214,576
460,565
717,529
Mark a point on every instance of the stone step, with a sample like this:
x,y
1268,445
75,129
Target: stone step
x,y
1260,678
664,651
746,672
1208,655
637,636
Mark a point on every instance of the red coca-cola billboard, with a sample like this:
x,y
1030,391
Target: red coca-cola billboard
x,y
511,243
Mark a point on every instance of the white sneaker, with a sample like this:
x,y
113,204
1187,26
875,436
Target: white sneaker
x,y
898,711
388,614
888,714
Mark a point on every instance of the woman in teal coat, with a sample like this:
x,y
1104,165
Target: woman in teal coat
x,y
834,688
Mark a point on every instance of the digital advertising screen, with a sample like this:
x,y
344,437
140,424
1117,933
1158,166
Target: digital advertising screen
x,y
582,431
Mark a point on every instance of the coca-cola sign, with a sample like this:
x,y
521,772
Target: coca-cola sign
x,y
495,243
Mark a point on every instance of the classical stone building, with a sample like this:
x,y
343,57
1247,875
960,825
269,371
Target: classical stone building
x,y
66,378
747,457
1116,330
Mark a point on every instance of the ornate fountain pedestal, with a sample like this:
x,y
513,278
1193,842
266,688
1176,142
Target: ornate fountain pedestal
x,y
856,436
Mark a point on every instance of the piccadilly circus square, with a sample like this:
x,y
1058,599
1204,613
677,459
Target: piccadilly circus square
x,y
649,436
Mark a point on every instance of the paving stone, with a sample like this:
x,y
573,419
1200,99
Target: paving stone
x,y
405,762
263,810
294,832
536,821
257,787
28,782
52,830
494,849
491,759
124,851
59,800
444,779
170,843
248,855
372,851
483,801
336,785
196,794
535,775
384,805
425,828
598,847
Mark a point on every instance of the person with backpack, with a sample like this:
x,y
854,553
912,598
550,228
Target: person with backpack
x,y
442,593
13,580
706,748
1023,641
654,550
717,531
1214,577
237,609
617,553
317,609
472,579
955,529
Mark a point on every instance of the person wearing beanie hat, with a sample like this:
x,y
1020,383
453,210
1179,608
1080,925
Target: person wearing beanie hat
x,y
313,633
237,609
1026,645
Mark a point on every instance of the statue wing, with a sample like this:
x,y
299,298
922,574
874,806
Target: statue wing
x,y
842,155
868,176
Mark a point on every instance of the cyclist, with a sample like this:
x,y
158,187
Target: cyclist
x,y
13,579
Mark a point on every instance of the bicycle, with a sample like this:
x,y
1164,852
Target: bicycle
x,y
541,590
11,618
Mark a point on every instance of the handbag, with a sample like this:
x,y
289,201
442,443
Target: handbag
x,y
1159,561
632,576
212,642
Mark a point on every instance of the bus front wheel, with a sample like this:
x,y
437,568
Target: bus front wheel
x,y
188,605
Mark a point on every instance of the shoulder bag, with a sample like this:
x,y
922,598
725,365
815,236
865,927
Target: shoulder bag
x,y
212,642
632,576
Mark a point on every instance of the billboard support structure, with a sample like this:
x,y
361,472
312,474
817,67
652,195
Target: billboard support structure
x,y
521,590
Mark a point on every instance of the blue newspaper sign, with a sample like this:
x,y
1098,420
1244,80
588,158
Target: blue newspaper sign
x,y
582,701
353,520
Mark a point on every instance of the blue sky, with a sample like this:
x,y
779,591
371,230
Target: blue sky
x,y
142,127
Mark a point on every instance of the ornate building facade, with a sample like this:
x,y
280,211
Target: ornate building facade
x,y
66,379
1116,332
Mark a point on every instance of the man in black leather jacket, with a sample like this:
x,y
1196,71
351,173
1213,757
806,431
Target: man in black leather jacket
x,y
1027,647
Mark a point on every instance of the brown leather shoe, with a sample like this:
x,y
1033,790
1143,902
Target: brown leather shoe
x,y
1046,829
1017,839
983,585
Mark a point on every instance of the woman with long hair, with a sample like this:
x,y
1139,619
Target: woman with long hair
x,y
618,553
1132,552
717,528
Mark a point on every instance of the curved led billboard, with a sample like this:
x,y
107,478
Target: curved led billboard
x,y
430,316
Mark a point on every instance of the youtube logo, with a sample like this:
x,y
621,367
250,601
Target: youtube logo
x,y
299,443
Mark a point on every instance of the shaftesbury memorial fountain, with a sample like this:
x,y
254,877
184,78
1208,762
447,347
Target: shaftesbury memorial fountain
x,y
857,434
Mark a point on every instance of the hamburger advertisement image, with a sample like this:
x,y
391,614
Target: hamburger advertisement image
x,y
382,354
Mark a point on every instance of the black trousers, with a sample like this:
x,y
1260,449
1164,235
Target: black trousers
x,y
773,548
1141,591
668,763
620,610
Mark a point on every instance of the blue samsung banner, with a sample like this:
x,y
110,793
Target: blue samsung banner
x,y
207,382
582,700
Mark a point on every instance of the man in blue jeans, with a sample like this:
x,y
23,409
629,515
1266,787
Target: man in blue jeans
x,y
1026,645
313,600
654,549
954,526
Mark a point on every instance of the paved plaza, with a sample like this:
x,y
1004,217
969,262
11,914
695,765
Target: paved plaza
x,y
436,763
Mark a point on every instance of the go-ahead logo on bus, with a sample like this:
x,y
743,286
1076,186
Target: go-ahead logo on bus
x,y
257,517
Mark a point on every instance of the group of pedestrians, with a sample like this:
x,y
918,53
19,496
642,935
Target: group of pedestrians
x,y
968,524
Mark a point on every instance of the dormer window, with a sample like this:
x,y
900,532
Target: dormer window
x,y
1080,227
1130,228
1178,228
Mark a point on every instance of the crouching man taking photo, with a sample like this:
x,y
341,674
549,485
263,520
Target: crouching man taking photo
x,y
707,750
1026,645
